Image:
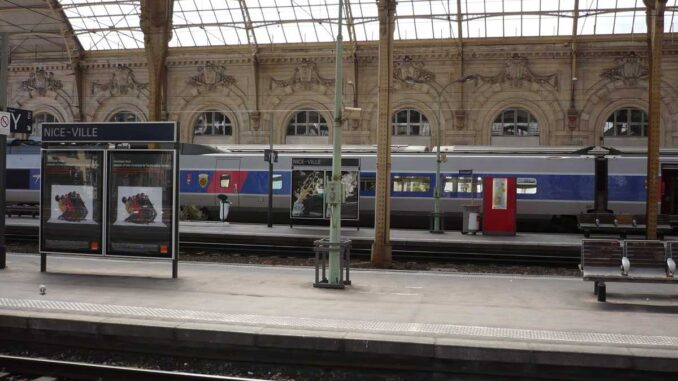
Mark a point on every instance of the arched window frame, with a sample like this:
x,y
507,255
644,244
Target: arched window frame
x,y
307,123
216,123
410,122
626,122
124,116
38,119
515,121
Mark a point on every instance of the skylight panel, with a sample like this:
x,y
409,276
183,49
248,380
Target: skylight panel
x,y
105,25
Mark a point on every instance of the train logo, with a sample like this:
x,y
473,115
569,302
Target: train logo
x,y
203,180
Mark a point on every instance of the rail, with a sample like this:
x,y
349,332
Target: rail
x,y
78,370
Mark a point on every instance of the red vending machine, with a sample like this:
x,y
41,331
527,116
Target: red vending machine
x,y
499,205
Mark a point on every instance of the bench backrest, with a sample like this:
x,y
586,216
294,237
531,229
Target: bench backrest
x,y
601,252
672,249
645,253
624,219
662,219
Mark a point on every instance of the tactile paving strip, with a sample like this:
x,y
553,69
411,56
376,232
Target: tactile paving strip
x,y
382,327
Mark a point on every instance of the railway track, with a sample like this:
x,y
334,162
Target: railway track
x,y
25,368
297,247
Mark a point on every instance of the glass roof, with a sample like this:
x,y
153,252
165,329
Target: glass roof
x,y
109,24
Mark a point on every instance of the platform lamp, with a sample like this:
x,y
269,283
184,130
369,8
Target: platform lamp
x,y
437,192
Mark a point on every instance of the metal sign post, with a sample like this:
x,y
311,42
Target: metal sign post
x,y
4,130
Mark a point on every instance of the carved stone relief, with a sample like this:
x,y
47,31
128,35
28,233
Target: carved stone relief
x,y
122,82
516,71
629,69
409,71
211,76
255,120
40,82
305,75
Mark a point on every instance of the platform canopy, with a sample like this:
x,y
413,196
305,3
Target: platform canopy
x,y
115,24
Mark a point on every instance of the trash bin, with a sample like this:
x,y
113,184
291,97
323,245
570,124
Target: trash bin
x,y
471,219
224,207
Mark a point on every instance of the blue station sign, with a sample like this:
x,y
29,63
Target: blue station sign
x,y
136,132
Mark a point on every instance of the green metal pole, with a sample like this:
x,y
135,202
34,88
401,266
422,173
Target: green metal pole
x,y
437,190
335,186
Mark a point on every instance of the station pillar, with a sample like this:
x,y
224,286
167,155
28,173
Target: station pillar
x,y
4,70
381,248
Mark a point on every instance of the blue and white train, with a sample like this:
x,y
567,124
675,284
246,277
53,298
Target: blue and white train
x,y
554,184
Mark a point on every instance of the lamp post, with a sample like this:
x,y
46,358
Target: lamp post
x,y
437,192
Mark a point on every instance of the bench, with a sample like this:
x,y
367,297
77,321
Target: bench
x,y
620,224
606,260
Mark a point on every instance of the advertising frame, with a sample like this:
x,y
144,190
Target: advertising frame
x,y
96,137
43,183
324,166
175,203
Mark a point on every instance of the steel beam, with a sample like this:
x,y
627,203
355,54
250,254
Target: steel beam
x,y
156,23
4,70
381,248
655,34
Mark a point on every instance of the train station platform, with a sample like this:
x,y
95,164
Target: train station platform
x,y
537,247
520,326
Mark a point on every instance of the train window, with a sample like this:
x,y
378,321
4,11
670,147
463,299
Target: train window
x,y
124,116
462,184
277,182
307,123
526,185
626,122
410,122
214,123
368,184
225,180
411,183
515,122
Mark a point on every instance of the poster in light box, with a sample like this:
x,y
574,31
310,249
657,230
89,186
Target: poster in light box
x,y
139,206
72,204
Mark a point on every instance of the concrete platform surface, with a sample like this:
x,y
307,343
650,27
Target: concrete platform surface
x,y
364,234
487,310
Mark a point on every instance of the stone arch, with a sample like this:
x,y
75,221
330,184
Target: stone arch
x,y
607,96
110,106
53,102
489,100
280,107
197,105
230,99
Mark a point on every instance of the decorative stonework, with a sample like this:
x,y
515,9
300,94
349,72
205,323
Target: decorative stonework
x,y
409,71
255,120
122,82
460,119
41,81
516,71
572,118
211,76
629,70
305,75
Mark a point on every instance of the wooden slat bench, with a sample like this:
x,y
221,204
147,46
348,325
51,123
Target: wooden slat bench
x,y
596,223
605,260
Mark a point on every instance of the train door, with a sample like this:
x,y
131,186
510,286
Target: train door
x,y
228,179
669,189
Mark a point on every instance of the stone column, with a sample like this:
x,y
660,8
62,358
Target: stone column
x,y
381,248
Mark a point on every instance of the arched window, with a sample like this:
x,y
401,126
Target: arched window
x,y
307,123
515,122
38,120
626,122
124,116
213,123
410,123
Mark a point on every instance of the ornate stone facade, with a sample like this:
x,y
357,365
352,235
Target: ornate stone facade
x,y
260,94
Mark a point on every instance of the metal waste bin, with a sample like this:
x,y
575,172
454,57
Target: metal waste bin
x,y
471,219
224,208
